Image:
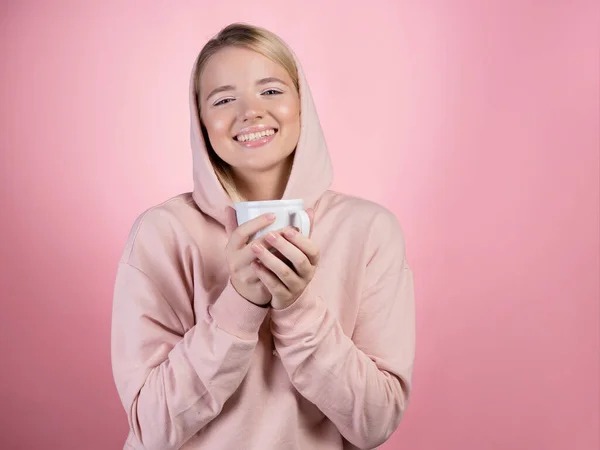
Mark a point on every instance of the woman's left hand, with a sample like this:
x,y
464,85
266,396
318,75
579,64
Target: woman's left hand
x,y
285,283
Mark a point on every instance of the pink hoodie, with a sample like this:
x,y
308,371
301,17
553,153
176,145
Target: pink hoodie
x,y
199,367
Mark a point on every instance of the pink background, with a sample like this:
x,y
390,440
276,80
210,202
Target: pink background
x,y
476,122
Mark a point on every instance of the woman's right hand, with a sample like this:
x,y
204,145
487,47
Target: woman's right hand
x,y
239,257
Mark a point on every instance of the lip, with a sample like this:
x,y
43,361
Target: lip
x,y
254,129
258,142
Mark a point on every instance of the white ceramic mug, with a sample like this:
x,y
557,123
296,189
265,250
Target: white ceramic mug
x,y
288,213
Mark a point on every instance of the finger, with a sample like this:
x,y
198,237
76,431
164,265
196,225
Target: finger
x,y
230,220
241,234
247,276
307,246
311,216
299,260
270,280
287,276
241,258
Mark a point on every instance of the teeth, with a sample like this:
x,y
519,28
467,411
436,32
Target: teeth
x,y
255,136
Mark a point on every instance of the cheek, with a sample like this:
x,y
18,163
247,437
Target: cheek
x,y
216,125
289,114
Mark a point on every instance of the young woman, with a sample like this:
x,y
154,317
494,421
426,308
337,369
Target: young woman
x,y
216,342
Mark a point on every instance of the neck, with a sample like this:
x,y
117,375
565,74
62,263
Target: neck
x,y
264,185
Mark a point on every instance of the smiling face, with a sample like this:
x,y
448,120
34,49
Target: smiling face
x,y
250,109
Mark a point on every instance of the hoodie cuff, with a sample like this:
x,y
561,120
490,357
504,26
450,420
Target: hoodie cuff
x,y
306,310
237,316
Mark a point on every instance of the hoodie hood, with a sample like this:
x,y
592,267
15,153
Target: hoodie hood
x,y
311,174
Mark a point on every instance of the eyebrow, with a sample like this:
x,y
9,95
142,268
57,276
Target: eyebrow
x,y
229,87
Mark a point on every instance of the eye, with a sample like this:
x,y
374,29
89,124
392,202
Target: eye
x,y
271,92
223,101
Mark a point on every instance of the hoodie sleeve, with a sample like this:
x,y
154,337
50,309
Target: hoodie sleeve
x,y
361,384
173,375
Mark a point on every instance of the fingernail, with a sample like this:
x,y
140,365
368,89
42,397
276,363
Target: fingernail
x,y
271,237
291,232
256,248
271,216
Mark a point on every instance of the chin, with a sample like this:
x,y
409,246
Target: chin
x,y
260,166
263,163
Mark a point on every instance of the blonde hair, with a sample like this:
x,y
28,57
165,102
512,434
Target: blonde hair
x,y
249,37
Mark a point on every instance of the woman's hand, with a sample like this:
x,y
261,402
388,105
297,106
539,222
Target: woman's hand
x,y
239,257
286,283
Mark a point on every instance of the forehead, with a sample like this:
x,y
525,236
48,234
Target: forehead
x,y
239,67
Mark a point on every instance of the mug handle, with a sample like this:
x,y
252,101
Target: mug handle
x,y
301,220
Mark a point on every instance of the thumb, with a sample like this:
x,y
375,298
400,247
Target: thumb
x,y
311,216
230,220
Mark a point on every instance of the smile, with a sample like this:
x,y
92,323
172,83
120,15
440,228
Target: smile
x,y
255,136
256,139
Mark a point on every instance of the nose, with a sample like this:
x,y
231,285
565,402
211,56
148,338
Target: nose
x,y
250,110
